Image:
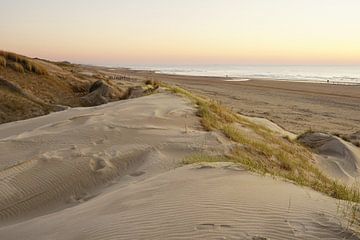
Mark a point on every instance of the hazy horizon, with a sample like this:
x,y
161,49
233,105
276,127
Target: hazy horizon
x,y
151,32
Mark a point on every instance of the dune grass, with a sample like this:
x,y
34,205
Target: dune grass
x,y
16,67
200,157
14,60
268,153
2,61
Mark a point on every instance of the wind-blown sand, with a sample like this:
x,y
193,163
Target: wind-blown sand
x,y
337,158
59,158
194,202
114,172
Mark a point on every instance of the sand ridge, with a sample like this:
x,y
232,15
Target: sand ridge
x,y
62,156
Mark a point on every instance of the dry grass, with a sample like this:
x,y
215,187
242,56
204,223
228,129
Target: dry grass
x,y
2,61
15,107
152,83
268,153
16,67
200,157
26,63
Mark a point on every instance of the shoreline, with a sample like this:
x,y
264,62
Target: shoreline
x,y
253,77
295,106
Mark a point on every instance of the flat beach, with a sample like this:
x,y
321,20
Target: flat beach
x,y
296,106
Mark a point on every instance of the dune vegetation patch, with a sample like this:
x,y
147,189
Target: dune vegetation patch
x,y
16,67
269,153
201,157
21,63
2,61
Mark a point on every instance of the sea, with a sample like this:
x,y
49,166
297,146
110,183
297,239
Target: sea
x,y
349,75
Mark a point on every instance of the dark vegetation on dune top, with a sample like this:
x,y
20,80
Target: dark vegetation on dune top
x,y
31,87
21,63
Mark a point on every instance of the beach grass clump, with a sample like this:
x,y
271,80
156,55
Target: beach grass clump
x,y
151,86
38,69
267,153
2,61
201,157
16,67
26,63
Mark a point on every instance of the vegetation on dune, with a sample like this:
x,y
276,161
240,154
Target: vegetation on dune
x,y
267,153
16,67
200,157
152,83
13,59
2,61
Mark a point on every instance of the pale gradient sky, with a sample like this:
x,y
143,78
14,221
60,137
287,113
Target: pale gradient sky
x,y
184,31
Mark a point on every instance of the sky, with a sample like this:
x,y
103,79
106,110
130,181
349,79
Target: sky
x,y
143,32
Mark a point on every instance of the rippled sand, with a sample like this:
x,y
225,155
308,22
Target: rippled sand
x,y
114,172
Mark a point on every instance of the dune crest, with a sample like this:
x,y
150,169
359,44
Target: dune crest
x,y
80,149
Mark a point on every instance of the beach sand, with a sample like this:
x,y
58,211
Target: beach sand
x,y
115,171
218,201
295,106
60,159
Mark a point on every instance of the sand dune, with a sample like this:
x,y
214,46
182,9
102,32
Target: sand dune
x,y
336,157
114,172
271,125
219,201
61,158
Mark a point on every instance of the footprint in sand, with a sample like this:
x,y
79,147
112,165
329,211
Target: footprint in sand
x,y
205,226
97,164
137,174
259,238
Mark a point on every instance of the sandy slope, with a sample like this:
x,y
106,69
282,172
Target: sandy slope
x,y
61,157
337,158
68,165
194,202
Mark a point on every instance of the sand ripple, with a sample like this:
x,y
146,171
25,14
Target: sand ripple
x,y
193,203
